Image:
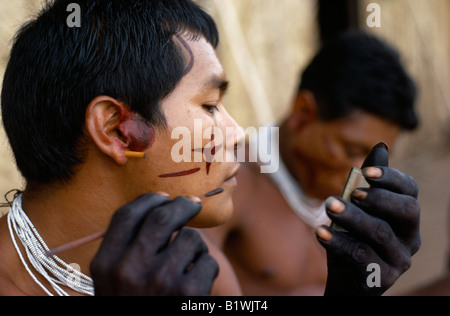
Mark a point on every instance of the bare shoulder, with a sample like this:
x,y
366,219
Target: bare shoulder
x,y
250,180
251,177
226,283
254,187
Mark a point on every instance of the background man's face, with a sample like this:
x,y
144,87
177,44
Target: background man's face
x,y
324,152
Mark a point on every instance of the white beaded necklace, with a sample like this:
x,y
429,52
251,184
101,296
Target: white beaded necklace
x,y
53,269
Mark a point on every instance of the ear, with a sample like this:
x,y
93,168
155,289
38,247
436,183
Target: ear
x,y
103,118
304,110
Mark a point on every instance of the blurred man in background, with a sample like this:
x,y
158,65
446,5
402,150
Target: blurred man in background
x,y
354,94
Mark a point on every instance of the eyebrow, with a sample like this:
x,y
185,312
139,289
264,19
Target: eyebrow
x,y
216,82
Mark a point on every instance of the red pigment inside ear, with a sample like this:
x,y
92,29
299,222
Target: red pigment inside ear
x,y
138,134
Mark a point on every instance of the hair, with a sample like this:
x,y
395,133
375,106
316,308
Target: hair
x,y
359,71
123,49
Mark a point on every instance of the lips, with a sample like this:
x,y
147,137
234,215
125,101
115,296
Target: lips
x,y
234,174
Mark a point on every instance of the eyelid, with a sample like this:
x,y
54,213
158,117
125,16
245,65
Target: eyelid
x,y
210,108
356,152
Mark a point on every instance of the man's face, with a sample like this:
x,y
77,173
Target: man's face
x,y
195,106
323,152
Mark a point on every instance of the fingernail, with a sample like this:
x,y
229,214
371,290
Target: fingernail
x,y
359,195
382,144
373,172
324,234
195,199
167,195
334,205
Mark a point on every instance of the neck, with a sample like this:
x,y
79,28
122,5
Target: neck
x,y
297,165
285,149
65,212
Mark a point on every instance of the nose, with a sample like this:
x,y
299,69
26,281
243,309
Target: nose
x,y
358,162
234,133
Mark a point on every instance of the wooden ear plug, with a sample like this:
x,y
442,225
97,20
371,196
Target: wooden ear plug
x,y
135,154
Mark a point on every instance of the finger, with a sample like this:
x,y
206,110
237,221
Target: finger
x,y
200,278
398,209
187,257
186,248
160,224
126,222
378,156
371,230
391,179
358,255
401,211
346,248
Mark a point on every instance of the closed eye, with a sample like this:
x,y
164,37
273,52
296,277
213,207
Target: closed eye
x,y
210,108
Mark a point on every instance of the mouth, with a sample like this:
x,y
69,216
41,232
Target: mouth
x,y
232,177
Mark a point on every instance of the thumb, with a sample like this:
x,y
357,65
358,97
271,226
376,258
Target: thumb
x,y
378,156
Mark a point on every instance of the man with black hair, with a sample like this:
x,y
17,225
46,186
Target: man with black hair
x,y
354,94
75,101
90,112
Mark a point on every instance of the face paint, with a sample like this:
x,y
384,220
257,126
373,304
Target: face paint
x,y
209,158
138,134
180,174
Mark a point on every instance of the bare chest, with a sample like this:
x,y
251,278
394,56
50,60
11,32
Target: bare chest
x,y
277,253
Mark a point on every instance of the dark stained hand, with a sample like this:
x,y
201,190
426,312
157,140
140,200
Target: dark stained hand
x,y
383,231
148,251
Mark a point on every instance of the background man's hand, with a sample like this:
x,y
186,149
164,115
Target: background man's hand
x,y
147,251
383,225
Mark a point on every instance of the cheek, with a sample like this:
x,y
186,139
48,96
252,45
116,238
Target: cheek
x,y
315,144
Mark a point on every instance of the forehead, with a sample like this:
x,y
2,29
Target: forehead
x,y
364,127
202,63
203,72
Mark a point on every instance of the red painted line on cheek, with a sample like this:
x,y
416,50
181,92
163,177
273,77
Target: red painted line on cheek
x,y
180,174
195,170
209,157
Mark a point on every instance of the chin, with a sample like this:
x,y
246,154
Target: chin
x,y
213,214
